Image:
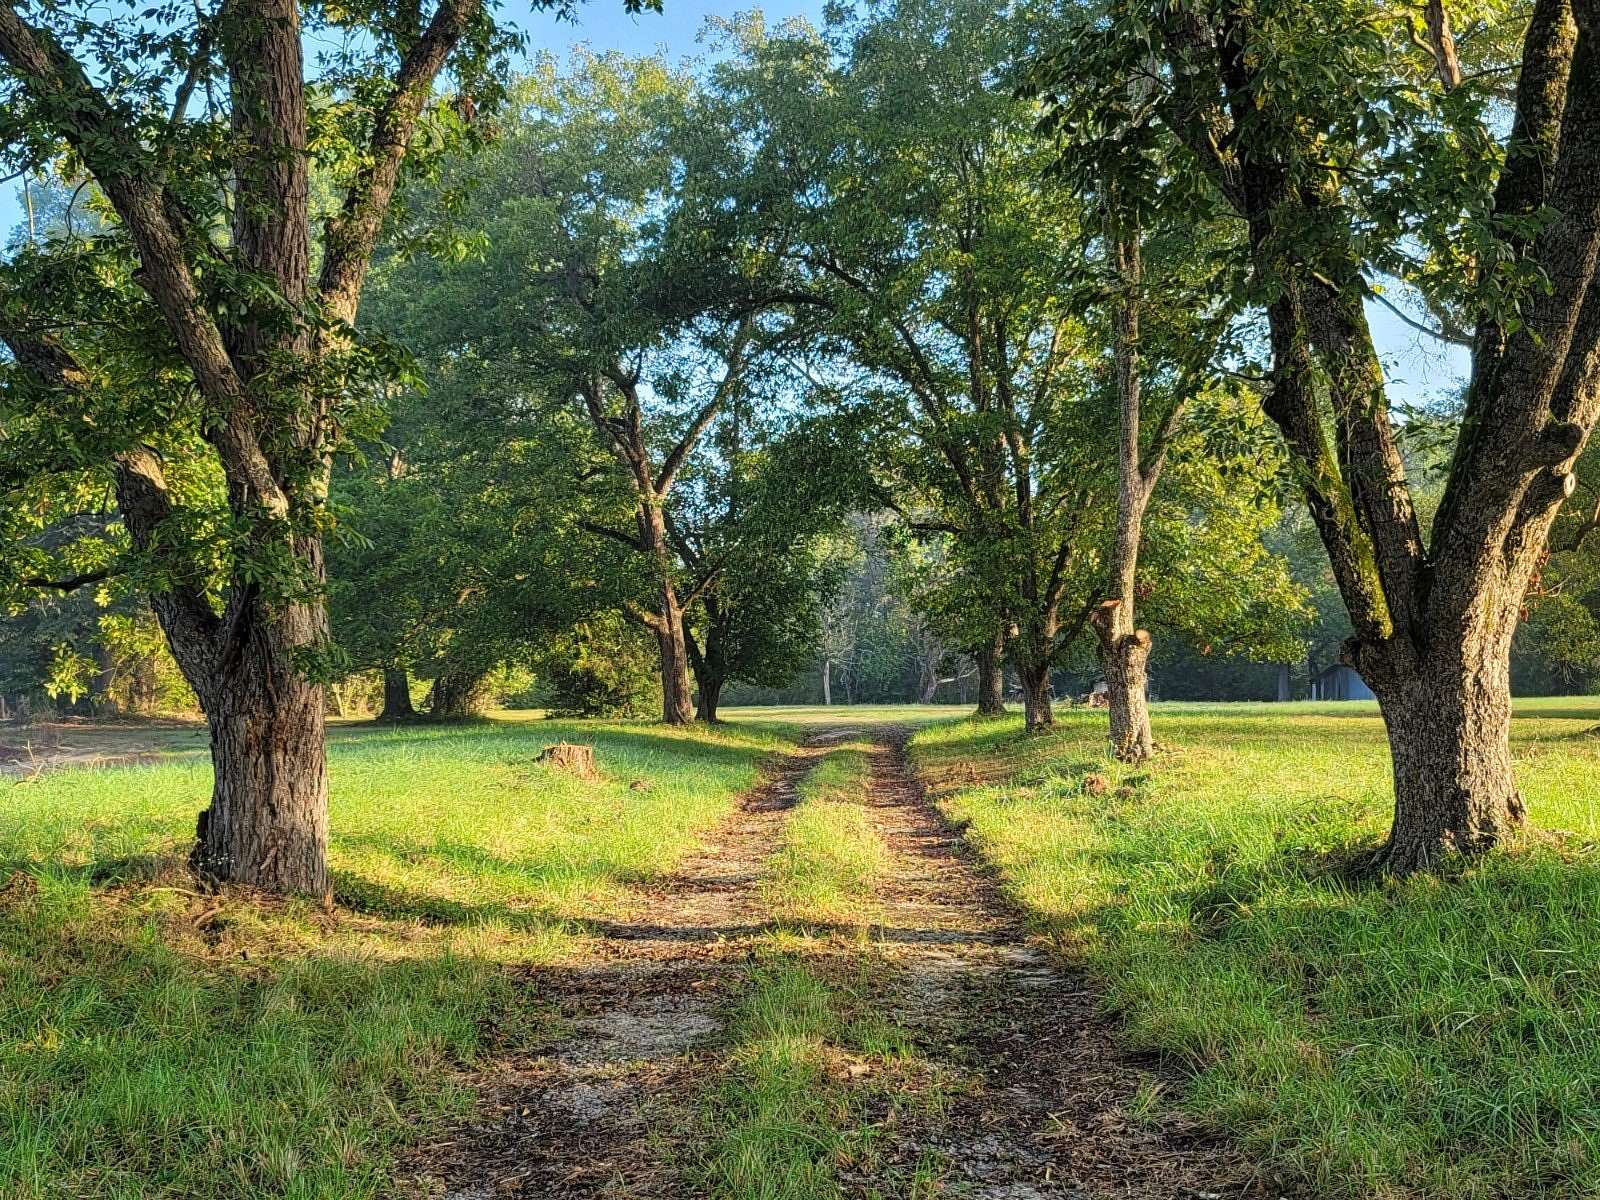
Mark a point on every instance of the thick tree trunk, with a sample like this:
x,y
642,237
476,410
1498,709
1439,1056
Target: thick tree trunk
x,y
268,821
396,695
1037,706
1283,683
677,707
456,695
1449,728
827,682
991,678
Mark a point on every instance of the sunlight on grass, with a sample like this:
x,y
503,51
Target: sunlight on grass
x,y
1433,1038
807,1069
156,1042
832,856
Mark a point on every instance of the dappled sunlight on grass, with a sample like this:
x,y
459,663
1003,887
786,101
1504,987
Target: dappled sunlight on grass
x,y
1438,1037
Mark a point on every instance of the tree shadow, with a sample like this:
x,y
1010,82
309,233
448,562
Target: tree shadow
x,y
360,894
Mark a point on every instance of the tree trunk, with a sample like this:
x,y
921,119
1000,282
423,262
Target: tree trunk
x,y
1125,648
827,682
268,821
1283,683
991,678
710,695
456,695
676,703
396,695
1038,710
1449,727
1123,662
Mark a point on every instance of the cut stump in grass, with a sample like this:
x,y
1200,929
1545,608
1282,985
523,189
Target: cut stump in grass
x,y
571,758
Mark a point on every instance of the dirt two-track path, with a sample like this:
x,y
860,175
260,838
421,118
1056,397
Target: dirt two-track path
x,y
1046,1103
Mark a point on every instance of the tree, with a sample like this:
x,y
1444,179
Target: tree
x,y
625,300
937,256
1325,131
751,529
251,325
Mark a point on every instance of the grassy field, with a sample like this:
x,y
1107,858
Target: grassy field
x,y
159,1043
1433,1038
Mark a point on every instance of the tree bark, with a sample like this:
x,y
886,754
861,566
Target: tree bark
x,y
267,825
456,695
676,705
1449,727
1123,659
396,695
710,695
991,677
1037,706
827,683
709,664
1125,648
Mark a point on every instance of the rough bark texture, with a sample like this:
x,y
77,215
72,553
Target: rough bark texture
x,y
991,678
1038,708
396,695
1123,660
677,707
268,820
1432,620
1449,735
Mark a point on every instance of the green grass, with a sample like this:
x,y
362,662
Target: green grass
x,y
1434,1038
831,857
159,1043
806,1070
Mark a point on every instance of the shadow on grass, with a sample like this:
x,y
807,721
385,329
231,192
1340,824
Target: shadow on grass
x,y
119,1039
363,895
521,743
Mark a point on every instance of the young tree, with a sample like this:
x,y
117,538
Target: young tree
x,y
213,211
1348,154
1124,647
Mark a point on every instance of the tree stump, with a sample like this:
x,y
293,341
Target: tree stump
x,y
572,758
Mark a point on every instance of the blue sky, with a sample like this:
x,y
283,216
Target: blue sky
x,y
1419,369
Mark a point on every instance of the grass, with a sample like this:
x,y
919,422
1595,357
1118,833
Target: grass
x,y
807,1083
1431,1038
832,857
155,1042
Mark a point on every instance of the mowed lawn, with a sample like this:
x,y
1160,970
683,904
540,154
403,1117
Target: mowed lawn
x,y
155,1042
1438,1037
